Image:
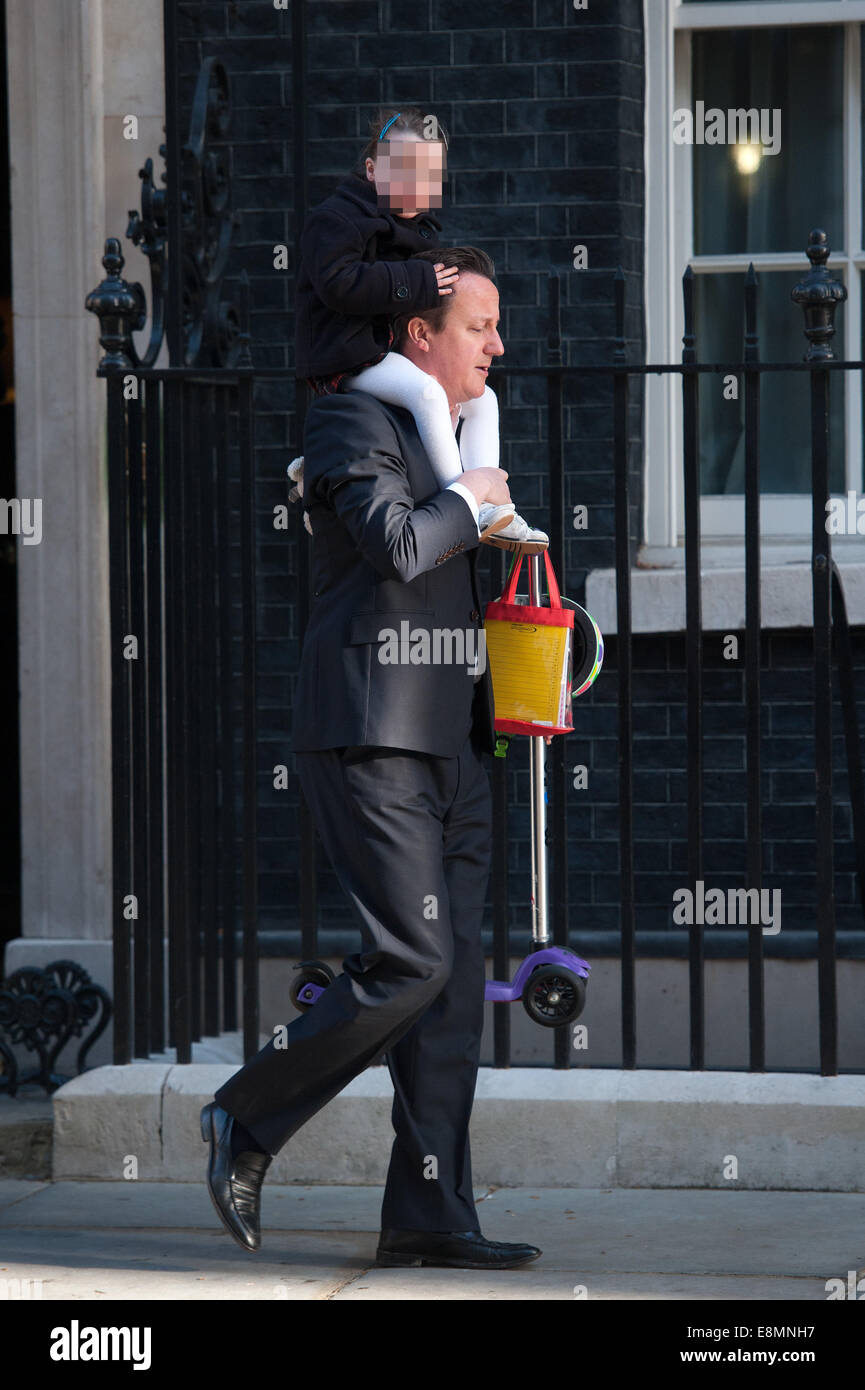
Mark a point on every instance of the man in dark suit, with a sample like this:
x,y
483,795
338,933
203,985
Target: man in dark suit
x,y
389,758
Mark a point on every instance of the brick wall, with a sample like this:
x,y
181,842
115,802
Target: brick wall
x,y
660,803
544,105
661,788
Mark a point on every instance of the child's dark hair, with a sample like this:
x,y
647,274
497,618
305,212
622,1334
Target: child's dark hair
x,y
395,122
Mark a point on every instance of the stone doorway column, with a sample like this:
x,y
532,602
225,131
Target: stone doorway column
x,y
75,69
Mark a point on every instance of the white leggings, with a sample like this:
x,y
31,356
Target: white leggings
x,y
399,382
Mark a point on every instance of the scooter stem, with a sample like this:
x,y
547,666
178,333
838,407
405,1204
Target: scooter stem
x,y
537,751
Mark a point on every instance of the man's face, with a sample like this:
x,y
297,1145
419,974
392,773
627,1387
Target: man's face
x,y
459,356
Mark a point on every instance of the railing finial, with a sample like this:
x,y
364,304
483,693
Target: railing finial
x,y
819,294
120,307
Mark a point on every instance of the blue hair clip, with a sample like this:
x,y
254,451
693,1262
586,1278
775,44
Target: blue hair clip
x,y
389,124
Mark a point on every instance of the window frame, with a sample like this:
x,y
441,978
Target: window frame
x,y
669,249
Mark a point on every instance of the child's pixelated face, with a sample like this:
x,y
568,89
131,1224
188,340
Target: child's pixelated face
x,y
408,173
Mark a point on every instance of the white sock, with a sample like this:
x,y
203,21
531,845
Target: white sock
x,y
479,436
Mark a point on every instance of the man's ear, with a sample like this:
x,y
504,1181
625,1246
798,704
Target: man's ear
x,y
417,330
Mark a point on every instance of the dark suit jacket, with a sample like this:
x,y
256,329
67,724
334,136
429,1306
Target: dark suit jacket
x,y
388,544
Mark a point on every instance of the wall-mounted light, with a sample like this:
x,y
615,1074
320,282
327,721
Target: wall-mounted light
x,y
747,156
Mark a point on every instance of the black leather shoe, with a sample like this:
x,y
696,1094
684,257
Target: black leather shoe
x,y
234,1184
456,1249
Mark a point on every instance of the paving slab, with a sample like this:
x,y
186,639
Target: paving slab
x,y
182,1265
15,1189
144,1241
686,1231
537,1282
185,1206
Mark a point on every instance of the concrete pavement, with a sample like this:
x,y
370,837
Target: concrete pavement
x,y
163,1241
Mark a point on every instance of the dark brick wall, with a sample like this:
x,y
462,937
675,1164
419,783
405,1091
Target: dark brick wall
x,y
661,784
544,105
660,803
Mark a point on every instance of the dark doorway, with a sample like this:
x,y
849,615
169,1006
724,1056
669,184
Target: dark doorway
x,y
10,837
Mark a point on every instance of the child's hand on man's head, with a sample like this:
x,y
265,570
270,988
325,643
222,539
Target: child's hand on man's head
x,y
446,275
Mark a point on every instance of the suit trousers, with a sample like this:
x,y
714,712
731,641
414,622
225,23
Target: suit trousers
x,y
409,838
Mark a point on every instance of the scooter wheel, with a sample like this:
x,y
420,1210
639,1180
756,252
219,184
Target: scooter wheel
x,y
553,996
309,972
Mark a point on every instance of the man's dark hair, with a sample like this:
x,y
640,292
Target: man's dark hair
x,y
464,258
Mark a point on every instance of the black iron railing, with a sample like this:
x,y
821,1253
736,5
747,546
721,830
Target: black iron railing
x,y
181,449
173,454
185,766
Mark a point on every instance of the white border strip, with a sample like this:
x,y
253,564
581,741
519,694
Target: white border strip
x,y
763,14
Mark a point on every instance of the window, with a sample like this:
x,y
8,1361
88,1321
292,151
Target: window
x,y
717,206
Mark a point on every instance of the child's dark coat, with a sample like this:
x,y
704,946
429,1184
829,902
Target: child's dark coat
x,y
343,308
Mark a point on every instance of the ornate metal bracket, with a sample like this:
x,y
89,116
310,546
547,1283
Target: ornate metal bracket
x,y
819,294
212,332
42,1010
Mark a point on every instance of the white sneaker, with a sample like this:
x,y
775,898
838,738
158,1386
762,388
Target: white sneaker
x,y
295,472
519,535
492,518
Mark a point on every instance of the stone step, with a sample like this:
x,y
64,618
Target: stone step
x,y
577,1127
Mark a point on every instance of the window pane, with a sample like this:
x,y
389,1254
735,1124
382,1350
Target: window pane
x,y
785,416
747,200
